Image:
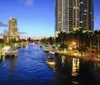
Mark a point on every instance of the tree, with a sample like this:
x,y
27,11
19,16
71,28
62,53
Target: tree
x,y
82,49
1,41
51,40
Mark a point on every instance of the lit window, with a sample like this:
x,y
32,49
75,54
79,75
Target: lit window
x,y
85,10
81,2
74,7
81,21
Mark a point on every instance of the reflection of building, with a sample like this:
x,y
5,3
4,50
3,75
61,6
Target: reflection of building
x,y
75,66
13,31
72,15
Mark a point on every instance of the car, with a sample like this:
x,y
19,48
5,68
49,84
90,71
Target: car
x,y
11,52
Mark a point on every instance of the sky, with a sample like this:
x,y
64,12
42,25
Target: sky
x,y
35,18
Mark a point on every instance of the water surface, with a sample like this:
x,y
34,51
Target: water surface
x,y
29,68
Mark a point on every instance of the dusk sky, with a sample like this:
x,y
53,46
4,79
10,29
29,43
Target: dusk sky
x,y
35,17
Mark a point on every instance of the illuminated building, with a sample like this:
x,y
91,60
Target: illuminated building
x,y
13,27
87,14
72,15
13,30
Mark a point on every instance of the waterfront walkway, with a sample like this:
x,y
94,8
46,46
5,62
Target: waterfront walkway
x,y
93,57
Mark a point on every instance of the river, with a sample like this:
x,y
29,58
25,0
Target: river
x,y
30,68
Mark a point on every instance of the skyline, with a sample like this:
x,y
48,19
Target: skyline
x,y
35,15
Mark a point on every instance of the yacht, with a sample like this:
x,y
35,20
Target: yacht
x,y
52,51
46,48
51,62
11,52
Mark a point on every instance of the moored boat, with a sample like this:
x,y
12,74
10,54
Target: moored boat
x,y
51,62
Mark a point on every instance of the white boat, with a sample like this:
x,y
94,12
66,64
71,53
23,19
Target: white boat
x,y
52,52
46,47
51,62
11,52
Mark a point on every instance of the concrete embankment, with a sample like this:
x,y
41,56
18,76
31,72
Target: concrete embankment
x,y
87,58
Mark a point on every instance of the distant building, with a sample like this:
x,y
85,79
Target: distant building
x,y
5,38
12,31
8,39
1,37
72,15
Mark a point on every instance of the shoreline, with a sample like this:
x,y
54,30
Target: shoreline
x,y
87,58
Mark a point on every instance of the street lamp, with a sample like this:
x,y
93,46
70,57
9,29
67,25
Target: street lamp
x,y
74,43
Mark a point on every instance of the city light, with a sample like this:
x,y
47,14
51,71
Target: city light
x,y
74,43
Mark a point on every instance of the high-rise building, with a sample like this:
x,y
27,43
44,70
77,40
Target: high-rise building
x,y
13,30
87,14
13,27
72,15
58,17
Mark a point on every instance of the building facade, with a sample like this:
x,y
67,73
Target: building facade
x,y
87,14
13,27
72,15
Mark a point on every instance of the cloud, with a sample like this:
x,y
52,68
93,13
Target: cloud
x,y
22,33
3,25
29,2
5,32
1,34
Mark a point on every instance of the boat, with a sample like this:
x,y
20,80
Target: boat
x,y
11,52
51,62
52,51
46,48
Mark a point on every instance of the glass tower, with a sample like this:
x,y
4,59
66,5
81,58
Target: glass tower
x,y
72,15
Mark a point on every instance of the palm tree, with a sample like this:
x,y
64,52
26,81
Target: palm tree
x,y
97,38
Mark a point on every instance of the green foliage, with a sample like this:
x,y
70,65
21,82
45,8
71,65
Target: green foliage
x,y
1,45
63,46
1,41
82,49
81,37
49,40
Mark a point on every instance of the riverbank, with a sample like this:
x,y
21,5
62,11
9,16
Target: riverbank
x,y
87,57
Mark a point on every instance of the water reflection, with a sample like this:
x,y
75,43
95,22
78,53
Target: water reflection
x,y
29,68
74,71
75,66
63,71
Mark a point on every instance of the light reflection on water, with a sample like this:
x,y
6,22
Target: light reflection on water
x,y
75,67
29,68
74,71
